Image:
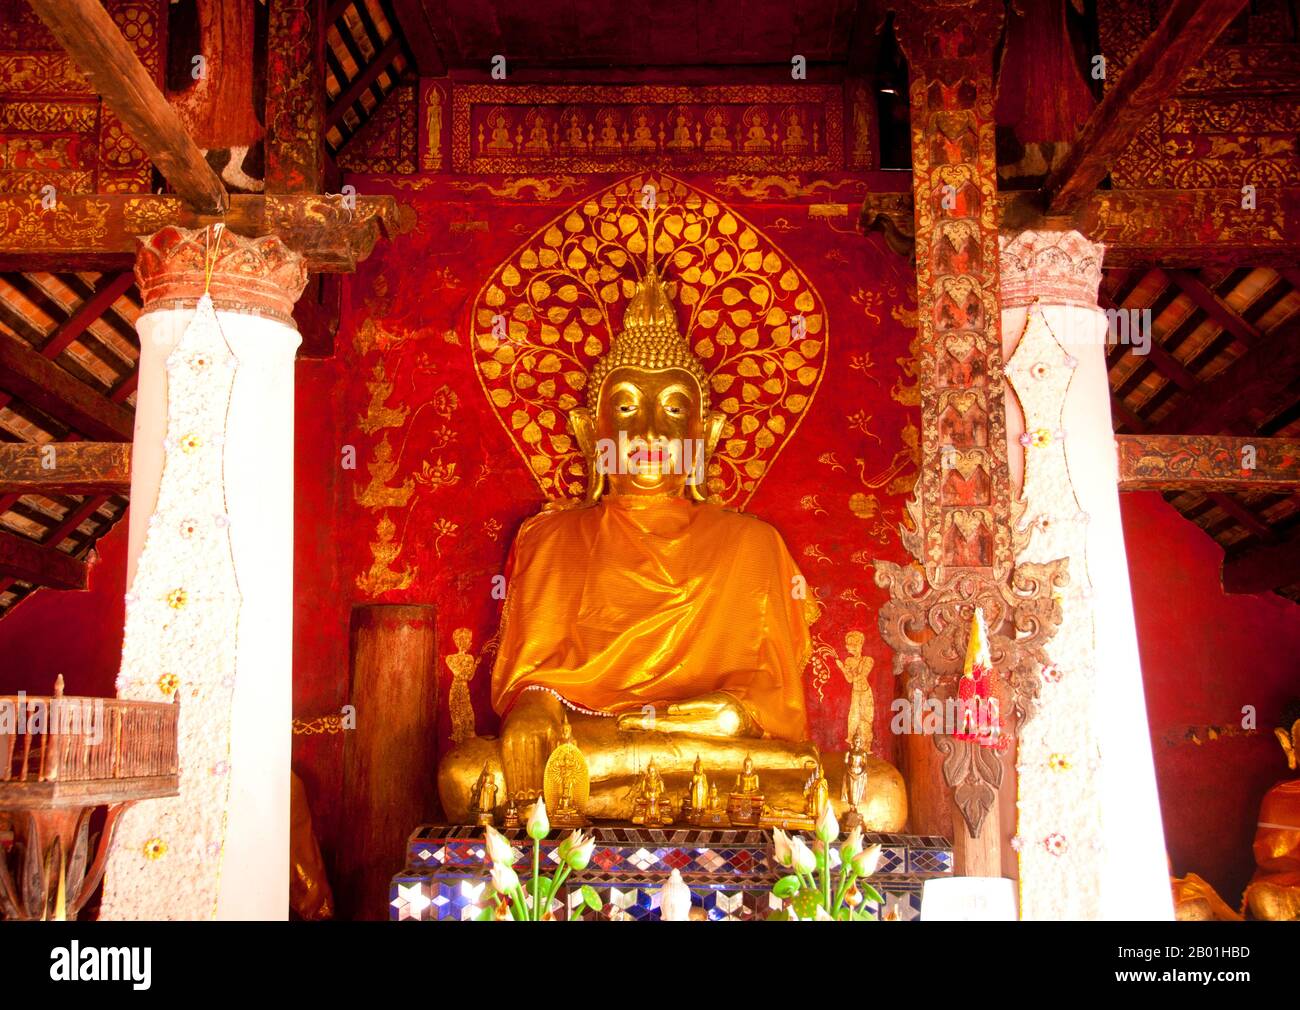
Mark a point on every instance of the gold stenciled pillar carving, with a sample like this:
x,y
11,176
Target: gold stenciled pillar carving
x,y
963,514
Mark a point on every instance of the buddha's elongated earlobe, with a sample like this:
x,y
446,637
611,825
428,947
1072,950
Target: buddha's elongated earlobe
x,y
583,425
697,483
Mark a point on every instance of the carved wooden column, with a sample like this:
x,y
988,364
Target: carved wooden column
x,y
389,759
962,514
210,571
295,97
1089,837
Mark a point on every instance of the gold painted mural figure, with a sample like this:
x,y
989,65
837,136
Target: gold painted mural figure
x,y
662,625
461,663
857,671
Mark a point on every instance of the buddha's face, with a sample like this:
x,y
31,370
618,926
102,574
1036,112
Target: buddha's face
x,y
650,431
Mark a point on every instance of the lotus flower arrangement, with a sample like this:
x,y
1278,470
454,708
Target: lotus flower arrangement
x,y
809,890
530,901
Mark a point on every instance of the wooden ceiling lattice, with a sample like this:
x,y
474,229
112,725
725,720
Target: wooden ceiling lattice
x,y
1222,361
365,59
80,329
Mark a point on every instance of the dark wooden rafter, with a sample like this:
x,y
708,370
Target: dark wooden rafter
x,y
1264,569
110,290
34,378
40,565
1183,36
1255,377
1215,307
419,31
65,468
352,94
89,35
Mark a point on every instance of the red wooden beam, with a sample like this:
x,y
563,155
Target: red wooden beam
x,y
1208,463
110,290
1215,307
1183,36
1256,377
40,565
74,519
49,388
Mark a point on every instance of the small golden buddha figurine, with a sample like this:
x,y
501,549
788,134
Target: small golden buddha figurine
x,y
566,782
817,793
697,797
660,624
651,806
484,801
511,818
745,806
853,789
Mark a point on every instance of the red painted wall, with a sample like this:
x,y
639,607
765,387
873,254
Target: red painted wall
x,y
1205,654
77,634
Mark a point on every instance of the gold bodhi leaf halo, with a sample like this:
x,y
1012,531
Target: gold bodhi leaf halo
x,y
549,312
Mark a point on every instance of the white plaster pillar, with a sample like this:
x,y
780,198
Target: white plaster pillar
x,y
1089,834
235,697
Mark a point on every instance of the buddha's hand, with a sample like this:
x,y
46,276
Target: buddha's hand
x,y
530,733
714,714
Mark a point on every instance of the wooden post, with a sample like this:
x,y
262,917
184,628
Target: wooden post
x,y
389,758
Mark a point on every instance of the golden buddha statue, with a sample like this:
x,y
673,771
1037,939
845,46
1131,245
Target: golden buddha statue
x,y
1274,891
483,802
650,807
817,793
566,781
664,626
697,797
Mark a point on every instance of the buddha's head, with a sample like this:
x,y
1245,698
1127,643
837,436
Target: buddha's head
x,y
647,428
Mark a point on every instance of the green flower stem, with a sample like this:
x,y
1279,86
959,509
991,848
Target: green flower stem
x,y
846,882
520,904
537,880
561,875
826,879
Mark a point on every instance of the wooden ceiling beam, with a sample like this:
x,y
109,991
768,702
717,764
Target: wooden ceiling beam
x,y
1254,378
1142,228
89,35
1208,463
40,565
99,231
110,290
1265,568
47,387
383,59
1215,307
1243,515
415,23
1183,36
77,468
75,518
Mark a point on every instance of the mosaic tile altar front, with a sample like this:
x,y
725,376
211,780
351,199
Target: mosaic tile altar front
x,y
730,871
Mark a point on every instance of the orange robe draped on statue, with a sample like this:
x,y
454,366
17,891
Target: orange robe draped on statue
x,y
647,600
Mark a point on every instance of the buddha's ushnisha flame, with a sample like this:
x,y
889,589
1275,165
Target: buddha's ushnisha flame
x,y
650,338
